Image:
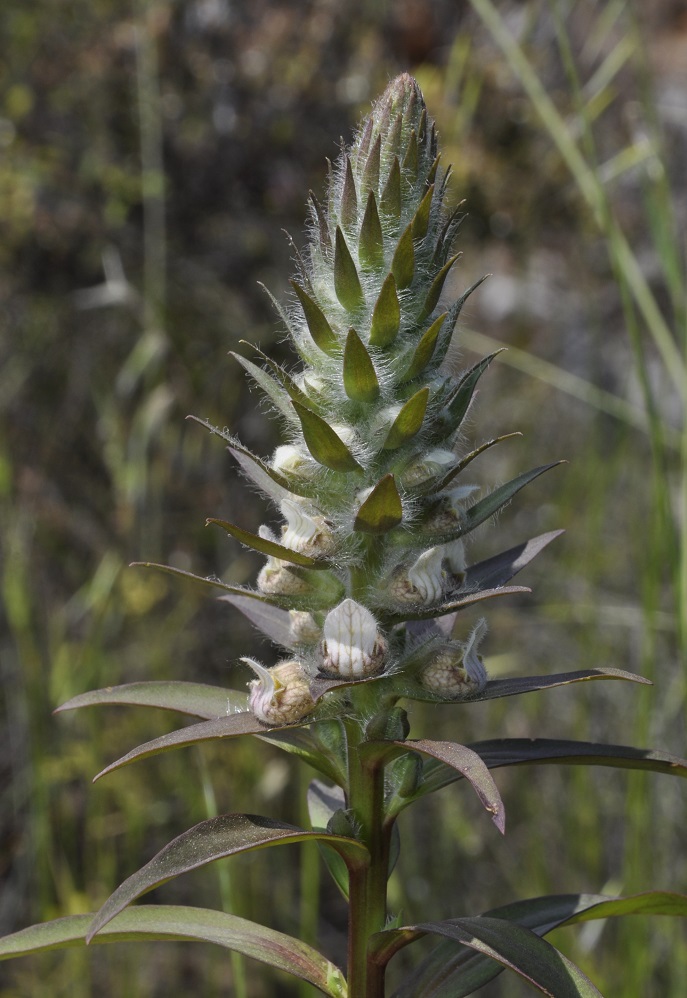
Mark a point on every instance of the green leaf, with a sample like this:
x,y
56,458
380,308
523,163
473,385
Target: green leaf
x,y
410,163
403,263
323,443
382,510
270,387
514,946
440,610
300,742
322,225
348,212
460,401
216,838
501,568
283,378
464,760
346,281
359,375
453,314
438,485
322,333
372,165
196,699
386,317
409,420
497,499
456,972
274,484
420,221
271,620
436,288
323,802
424,350
174,922
270,548
371,243
391,195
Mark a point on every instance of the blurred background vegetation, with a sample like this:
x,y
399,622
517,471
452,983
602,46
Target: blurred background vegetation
x,y
151,153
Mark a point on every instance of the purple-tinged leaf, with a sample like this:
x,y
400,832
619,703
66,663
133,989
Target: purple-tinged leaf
x,y
459,758
175,922
502,567
216,838
497,688
197,699
456,972
232,726
271,620
430,612
270,548
515,947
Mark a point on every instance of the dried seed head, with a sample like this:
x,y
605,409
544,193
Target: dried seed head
x,y
457,670
352,645
280,695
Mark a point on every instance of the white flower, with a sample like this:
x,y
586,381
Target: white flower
x,y
352,645
308,534
280,695
292,460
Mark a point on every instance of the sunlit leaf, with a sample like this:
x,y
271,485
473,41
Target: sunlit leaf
x,y
197,699
268,547
424,350
216,838
403,263
322,333
270,387
359,375
386,316
323,443
175,922
382,510
346,281
371,243
408,421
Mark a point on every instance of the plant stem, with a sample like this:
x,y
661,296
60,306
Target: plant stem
x,y
368,885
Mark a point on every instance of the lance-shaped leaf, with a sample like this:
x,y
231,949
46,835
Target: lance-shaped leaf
x,y
420,221
216,838
453,316
270,387
359,375
322,225
391,195
502,567
408,421
348,211
436,288
441,609
244,723
270,548
499,752
438,485
460,402
273,483
323,443
177,922
451,971
515,947
403,263
371,241
322,333
382,510
465,761
287,383
386,317
424,350
323,803
197,699
271,620
410,160
372,165
346,281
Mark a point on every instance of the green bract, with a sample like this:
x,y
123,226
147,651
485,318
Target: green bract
x,y
361,589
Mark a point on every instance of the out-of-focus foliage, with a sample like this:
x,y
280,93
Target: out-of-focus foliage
x,y
150,155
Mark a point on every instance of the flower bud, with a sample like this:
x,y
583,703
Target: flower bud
x,y
457,670
352,645
290,460
425,466
278,579
424,582
310,535
280,695
304,627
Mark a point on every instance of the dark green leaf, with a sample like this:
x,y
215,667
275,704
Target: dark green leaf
x,y
382,510
209,581
391,195
460,401
514,946
424,350
443,483
323,443
440,610
322,333
371,244
436,289
176,922
403,263
216,838
453,315
502,567
197,699
359,375
372,164
497,499
346,281
420,221
323,802
348,212
409,420
270,548
386,317
271,620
